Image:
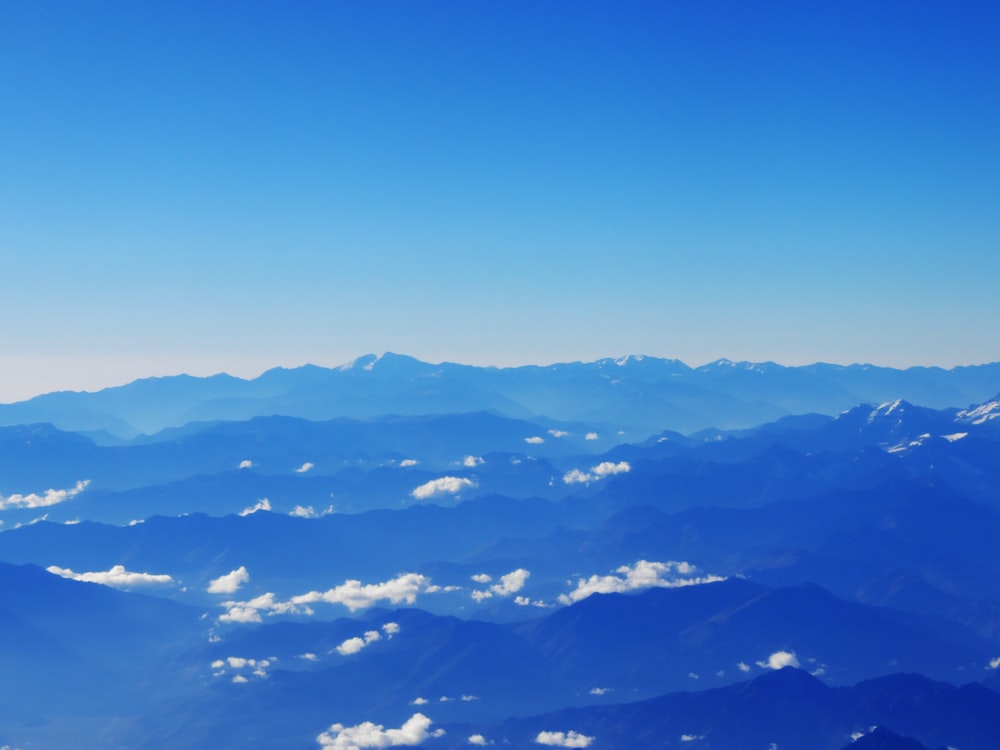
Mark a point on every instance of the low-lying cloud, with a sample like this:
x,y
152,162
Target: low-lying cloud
x,y
414,731
262,504
442,486
230,582
117,577
508,585
642,575
780,660
44,500
596,473
352,594
563,739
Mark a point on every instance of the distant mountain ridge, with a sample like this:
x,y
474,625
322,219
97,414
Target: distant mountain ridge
x,y
634,393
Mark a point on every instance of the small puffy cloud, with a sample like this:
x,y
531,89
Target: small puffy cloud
x,y
354,595
642,575
576,476
414,731
408,462
469,698
118,577
693,676
600,690
230,582
691,737
524,601
995,663
596,473
309,656
390,628
418,701
307,511
558,433
472,462
351,646
304,467
534,440
511,583
592,436
442,486
609,468
564,739
780,660
478,739
482,578
44,500
744,667
262,504
246,463
508,584
240,680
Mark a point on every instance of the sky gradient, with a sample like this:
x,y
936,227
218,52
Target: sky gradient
x,y
196,187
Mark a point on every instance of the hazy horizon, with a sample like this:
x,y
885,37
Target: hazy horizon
x,y
201,188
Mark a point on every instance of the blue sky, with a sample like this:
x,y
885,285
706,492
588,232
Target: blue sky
x,y
198,187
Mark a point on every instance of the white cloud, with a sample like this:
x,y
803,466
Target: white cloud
x,y
558,433
592,436
47,498
473,461
240,680
408,462
246,463
418,701
368,735
596,473
307,511
534,440
117,577
995,663
744,667
262,504
309,656
230,582
608,468
563,739
390,628
524,601
304,467
469,698
511,583
353,645
476,739
600,690
352,594
577,477
780,660
642,575
442,486
691,737
482,578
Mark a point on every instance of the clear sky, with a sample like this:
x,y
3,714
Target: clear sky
x,y
202,187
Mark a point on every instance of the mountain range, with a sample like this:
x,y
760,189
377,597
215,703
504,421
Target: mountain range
x,y
626,553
